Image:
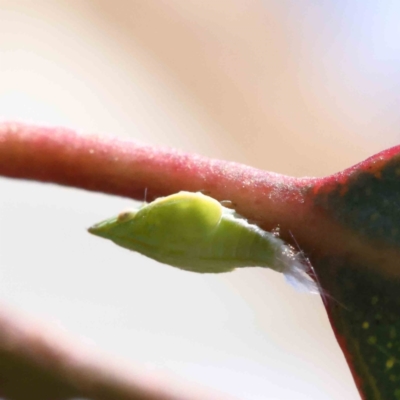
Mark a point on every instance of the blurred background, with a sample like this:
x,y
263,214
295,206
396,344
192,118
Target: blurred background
x,y
295,87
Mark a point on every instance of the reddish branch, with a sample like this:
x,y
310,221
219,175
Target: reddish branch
x,y
126,168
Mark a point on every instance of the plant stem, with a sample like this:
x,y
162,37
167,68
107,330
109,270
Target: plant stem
x,y
126,168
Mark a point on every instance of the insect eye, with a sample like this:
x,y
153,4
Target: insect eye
x,y
126,215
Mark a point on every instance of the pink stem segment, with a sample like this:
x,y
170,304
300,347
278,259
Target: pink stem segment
x,y
126,168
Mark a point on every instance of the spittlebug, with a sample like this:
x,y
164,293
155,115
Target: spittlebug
x,y
196,233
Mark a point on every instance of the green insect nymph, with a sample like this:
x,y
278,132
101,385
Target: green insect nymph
x,y
195,232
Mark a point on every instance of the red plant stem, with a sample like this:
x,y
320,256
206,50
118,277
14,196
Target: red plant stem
x,y
126,168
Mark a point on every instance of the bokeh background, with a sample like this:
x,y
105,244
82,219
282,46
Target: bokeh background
x,y
293,86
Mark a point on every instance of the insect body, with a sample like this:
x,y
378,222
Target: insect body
x,y
195,232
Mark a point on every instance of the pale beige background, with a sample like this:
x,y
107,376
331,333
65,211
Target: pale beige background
x,y
297,87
